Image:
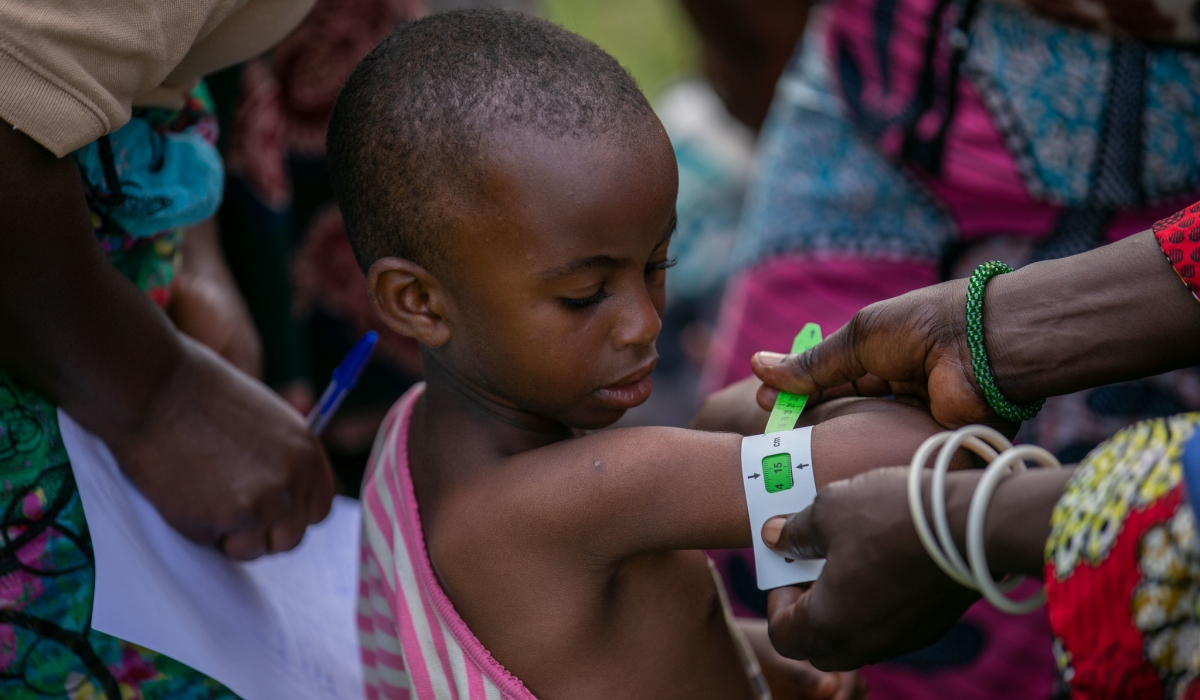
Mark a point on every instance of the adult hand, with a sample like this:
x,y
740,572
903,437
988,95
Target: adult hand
x,y
1116,313
207,306
790,679
880,594
219,455
226,461
913,346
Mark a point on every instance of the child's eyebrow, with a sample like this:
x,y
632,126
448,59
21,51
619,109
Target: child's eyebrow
x,y
605,262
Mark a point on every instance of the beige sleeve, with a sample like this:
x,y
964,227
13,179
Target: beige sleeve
x,y
70,69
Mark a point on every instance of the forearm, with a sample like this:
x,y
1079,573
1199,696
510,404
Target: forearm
x,y
74,329
682,489
1018,519
1115,313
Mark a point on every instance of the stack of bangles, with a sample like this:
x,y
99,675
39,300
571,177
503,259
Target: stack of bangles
x,y
1004,458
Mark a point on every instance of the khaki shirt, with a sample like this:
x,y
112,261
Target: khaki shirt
x,y
71,70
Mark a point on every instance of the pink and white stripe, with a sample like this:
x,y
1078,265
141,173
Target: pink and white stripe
x,y
413,643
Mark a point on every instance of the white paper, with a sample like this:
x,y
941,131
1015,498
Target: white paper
x,y
772,568
282,626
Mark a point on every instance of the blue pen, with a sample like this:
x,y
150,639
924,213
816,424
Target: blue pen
x,y
344,378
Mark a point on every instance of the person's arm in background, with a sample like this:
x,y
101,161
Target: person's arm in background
x,y
1115,313
221,457
207,306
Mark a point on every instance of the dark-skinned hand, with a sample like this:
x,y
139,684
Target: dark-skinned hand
x,y
1115,313
790,679
879,595
226,461
222,458
913,346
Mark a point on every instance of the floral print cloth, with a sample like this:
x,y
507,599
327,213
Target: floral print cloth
x,y
1123,569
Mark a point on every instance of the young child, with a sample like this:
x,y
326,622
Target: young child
x,y
511,195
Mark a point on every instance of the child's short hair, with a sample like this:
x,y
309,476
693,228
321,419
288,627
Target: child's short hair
x,y
407,128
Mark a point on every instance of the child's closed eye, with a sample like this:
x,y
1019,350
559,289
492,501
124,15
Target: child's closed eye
x,y
664,264
576,304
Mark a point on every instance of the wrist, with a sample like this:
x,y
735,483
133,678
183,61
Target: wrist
x,y
1021,321
1018,521
116,416
1018,518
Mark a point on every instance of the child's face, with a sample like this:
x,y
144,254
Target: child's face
x,y
556,274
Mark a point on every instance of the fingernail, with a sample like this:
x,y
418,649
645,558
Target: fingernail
x,y
769,359
772,529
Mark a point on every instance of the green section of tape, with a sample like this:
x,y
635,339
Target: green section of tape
x,y
789,406
777,472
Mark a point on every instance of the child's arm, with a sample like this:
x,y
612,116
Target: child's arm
x,y
733,409
621,492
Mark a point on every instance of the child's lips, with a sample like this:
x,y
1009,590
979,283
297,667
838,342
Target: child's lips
x,y
631,393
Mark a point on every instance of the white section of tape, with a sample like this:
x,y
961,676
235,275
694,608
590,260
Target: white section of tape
x,y
778,486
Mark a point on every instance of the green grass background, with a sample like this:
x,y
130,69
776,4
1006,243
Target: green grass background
x,y
653,39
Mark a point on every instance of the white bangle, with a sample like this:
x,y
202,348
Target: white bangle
x,y
1003,458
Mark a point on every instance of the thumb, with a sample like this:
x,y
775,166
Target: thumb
x,y
831,363
795,535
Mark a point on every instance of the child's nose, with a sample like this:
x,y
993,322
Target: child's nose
x,y
640,325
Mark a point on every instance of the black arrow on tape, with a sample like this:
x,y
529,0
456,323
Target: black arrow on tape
x,y
801,466
753,476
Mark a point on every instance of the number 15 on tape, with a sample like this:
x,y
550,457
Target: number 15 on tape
x,y
789,406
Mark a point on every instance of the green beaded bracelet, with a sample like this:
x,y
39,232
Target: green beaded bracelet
x,y
979,360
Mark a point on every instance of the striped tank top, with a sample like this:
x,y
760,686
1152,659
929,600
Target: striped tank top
x,y
413,643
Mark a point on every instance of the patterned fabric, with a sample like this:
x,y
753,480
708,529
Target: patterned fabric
x,y
146,181
47,568
818,186
1123,569
1179,236
414,644
1148,20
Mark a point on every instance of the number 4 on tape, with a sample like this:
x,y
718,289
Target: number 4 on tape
x,y
788,406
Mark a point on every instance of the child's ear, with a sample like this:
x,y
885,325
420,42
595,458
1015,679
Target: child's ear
x,y
409,300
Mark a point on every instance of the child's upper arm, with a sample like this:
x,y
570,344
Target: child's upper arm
x,y
620,492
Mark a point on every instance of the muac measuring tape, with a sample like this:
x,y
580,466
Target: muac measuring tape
x,y
778,478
